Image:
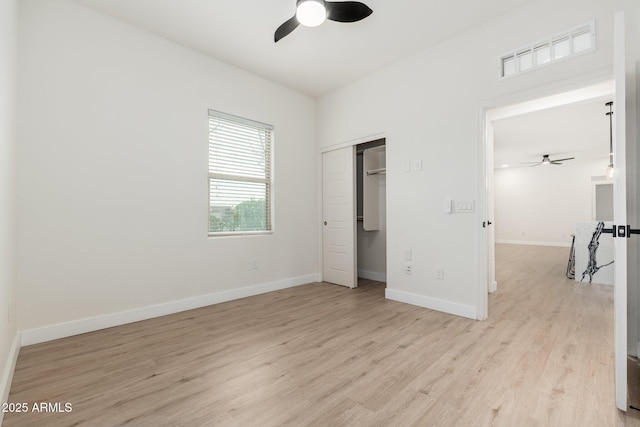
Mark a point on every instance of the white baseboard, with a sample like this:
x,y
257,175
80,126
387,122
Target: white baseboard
x,y
7,372
372,275
81,326
493,286
534,243
432,303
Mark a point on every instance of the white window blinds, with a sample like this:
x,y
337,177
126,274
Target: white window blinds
x,y
240,179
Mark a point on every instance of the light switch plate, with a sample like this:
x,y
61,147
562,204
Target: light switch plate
x,y
468,206
448,206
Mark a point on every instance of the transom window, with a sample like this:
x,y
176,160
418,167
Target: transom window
x,y
574,41
240,175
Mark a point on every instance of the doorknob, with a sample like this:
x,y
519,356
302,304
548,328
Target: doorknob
x,y
325,223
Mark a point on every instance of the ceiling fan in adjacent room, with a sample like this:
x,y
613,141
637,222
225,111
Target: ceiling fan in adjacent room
x,y
547,161
312,13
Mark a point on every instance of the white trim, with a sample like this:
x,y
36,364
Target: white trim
x,y
81,326
485,235
493,287
620,273
597,87
7,372
352,142
372,275
534,243
448,307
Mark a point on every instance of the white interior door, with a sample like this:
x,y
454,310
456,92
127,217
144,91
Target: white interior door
x,y
339,217
620,212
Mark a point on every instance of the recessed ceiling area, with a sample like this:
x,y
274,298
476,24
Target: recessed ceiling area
x,y
579,130
311,60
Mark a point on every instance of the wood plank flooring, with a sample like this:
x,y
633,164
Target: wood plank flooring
x,y
325,355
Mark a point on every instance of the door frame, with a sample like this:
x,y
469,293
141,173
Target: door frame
x,y
589,87
620,245
486,196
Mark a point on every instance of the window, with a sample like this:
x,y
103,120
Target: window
x,y
240,179
577,40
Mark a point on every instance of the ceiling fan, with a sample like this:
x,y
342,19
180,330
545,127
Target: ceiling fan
x,y
547,161
312,13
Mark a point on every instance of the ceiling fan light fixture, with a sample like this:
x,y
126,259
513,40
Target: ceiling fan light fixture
x,y
311,13
547,161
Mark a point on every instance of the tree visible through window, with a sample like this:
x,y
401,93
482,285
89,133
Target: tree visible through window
x,y
239,175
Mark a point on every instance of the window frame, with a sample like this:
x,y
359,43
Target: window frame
x,y
268,180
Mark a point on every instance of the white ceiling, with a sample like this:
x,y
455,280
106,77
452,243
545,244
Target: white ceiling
x,y
310,60
579,130
318,60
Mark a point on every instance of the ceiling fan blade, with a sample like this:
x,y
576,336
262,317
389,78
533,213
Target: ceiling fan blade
x,y
530,163
562,160
537,164
286,28
347,11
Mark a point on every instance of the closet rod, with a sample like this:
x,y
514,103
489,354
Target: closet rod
x,y
377,171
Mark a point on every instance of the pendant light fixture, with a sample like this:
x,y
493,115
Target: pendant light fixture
x,y
610,168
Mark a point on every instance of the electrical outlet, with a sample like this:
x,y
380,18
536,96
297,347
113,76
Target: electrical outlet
x,y
439,273
408,269
254,264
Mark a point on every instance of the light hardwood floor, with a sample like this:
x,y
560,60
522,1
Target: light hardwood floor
x,y
324,355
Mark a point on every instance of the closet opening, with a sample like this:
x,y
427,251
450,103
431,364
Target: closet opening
x,y
371,212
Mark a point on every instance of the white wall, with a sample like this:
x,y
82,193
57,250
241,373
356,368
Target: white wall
x,y
429,107
8,187
113,172
541,205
